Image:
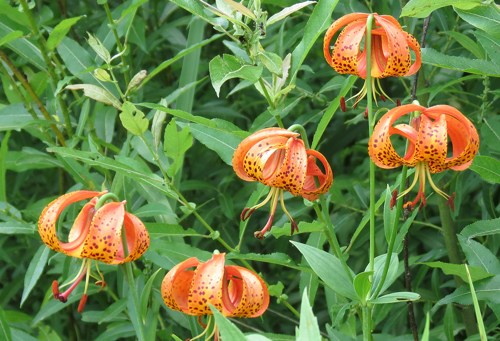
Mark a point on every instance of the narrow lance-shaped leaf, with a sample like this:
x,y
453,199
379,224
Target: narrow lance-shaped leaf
x,y
285,12
96,93
60,31
422,8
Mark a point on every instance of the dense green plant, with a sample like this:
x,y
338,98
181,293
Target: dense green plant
x,y
150,99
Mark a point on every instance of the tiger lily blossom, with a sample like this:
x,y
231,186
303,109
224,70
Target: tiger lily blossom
x,y
278,158
390,50
192,286
428,136
96,234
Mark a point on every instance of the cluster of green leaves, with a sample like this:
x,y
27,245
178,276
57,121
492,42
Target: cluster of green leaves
x,y
149,99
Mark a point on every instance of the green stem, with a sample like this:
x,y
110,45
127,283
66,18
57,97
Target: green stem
x,y
367,328
367,319
371,123
119,44
303,134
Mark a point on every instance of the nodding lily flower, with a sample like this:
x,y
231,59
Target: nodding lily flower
x,y
96,234
192,286
390,50
428,137
277,158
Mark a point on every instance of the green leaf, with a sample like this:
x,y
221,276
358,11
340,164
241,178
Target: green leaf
x,y
329,269
10,37
479,255
477,310
218,139
23,47
392,273
487,167
228,331
330,111
396,297
5,333
467,43
77,60
133,119
308,327
389,214
146,293
229,67
277,258
486,18
14,227
98,160
196,8
490,45
35,270
158,230
476,66
99,48
285,12
487,290
14,117
272,62
319,21
4,150
60,31
111,312
481,228
363,285
459,270
422,8
175,145
96,93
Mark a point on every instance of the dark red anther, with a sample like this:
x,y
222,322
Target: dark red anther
x,y
55,289
293,227
451,201
269,224
394,198
382,97
365,114
82,303
398,103
342,104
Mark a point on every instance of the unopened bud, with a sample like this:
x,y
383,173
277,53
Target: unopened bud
x,y
102,75
137,80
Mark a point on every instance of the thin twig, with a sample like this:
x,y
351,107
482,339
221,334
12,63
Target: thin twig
x,y
422,45
411,313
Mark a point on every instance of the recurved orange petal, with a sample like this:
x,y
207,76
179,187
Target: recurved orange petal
x,y
345,53
79,230
335,27
48,219
317,181
380,147
292,172
137,237
264,159
397,51
176,285
246,294
432,142
462,133
206,287
244,147
104,236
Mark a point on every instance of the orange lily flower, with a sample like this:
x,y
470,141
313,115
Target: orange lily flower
x,y
96,234
390,49
277,158
233,290
428,136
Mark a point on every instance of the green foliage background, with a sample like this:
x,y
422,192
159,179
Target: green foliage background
x,y
165,145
